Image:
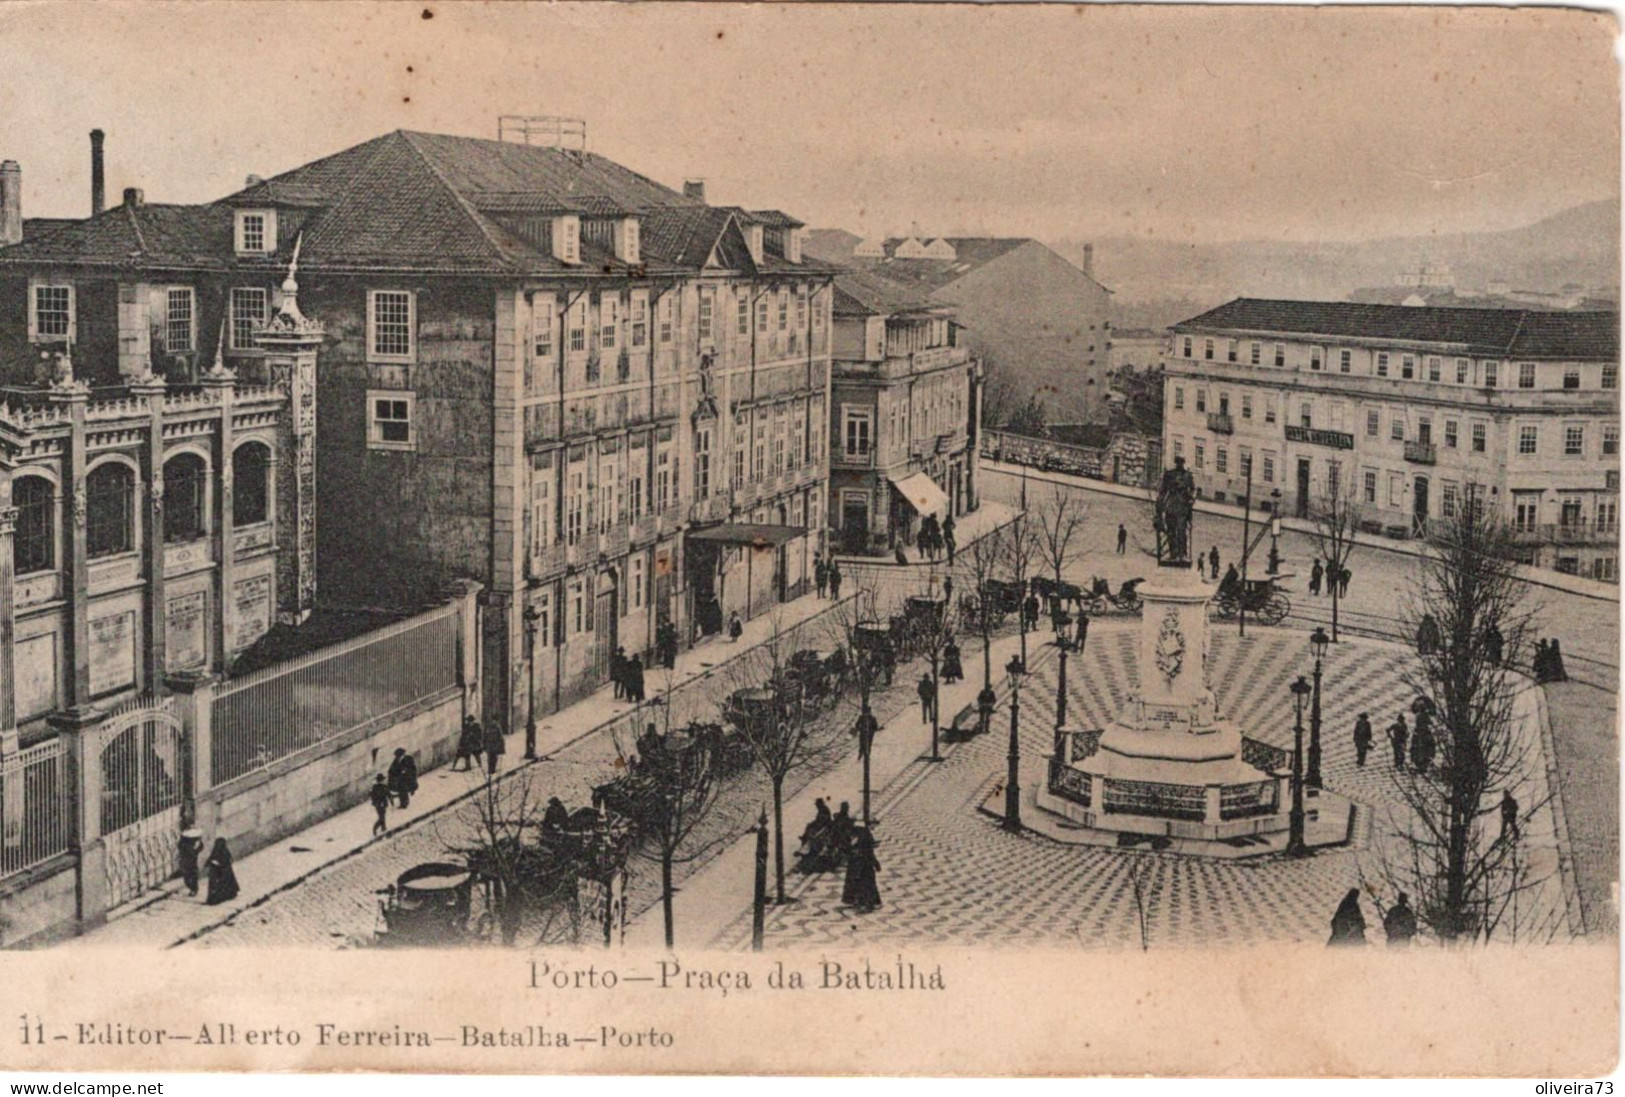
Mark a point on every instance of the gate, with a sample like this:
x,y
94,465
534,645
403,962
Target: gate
x,y
146,775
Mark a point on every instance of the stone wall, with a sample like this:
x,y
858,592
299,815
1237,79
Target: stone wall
x,y
1128,458
39,905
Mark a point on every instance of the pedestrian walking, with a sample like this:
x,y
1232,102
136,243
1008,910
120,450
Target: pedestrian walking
x,y
403,777
1314,578
947,591
1362,738
222,879
379,796
820,575
951,669
1398,736
1083,631
1343,577
470,744
902,557
835,579
1423,744
617,671
1427,635
1554,663
928,696
1509,816
666,640
634,679
1494,643
948,541
191,847
735,628
1399,924
1122,539
1348,924
1213,561
861,891
495,747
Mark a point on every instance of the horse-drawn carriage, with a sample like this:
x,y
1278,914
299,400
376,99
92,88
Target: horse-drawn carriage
x,y
1100,599
996,601
429,906
1263,600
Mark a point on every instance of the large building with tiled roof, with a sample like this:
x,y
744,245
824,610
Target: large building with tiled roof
x,y
601,397
1041,325
1412,410
905,405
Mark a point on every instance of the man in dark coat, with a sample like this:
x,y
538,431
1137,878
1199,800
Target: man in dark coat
x,y
820,575
1230,585
379,797
1314,578
1399,924
1427,635
1213,560
1423,745
861,891
735,628
1343,577
1362,738
1083,631
948,541
191,846
1122,538
928,697
666,641
835,579
1493,644
1398,736
1509,815
495,747
634,679
403,777
952,671
470,744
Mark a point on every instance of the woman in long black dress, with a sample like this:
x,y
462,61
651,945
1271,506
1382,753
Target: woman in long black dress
x,y
862,892
222,880
1348,924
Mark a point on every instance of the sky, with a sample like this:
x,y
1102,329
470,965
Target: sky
x,y
1187,123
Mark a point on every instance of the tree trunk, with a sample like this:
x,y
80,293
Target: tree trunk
x,y
666,894
1336,587
866,786
778,838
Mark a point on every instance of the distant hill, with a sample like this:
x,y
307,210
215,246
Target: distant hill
x,y
1577,245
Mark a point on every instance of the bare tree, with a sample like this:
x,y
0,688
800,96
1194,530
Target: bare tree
x,y
781,720
1060,520
1022,559
982,563
1336,523
1460,843
856,628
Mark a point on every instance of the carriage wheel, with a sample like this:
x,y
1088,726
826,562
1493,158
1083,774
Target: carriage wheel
x,y
1276,609
1224,609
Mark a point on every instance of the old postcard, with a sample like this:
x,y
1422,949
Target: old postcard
x,y
924,539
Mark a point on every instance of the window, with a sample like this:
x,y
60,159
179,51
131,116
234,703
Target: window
x,y
1396,489
1280,354
1207,349
575,507
1221,459
758,467
33,546
1528,440
1433,368
702,463
541,503
668,317
609,321
1424,430
543,318
1526,511
1610,376
640,321
1571,516
1526,375
1246,405
636,460
1201,399
1450,434
1314,359
1334,478
578,608
663,475
1187,346
1447,500
1382,364
1373,424
1607,515
780,430
742,311
636,581
1371,486
741,445
1345,361
109,510
707,307
1480,437
608,481
784,309
256,231
578,325
1256,353
1571,377
1269,467
1179,398
1199,449
1396,429
1602,568
1574,441
801,308
1407,366
1179,447
1491,374
390,420
250,309
1610,440
1269,409
1305,417
389,318
251,484
567,248
1229,352
798,439
1463,371
179,335
186,483
52,317
857,433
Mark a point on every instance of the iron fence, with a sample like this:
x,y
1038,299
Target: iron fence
x,y
36,816
286,708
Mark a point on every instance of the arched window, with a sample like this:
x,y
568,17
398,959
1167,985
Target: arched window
x,y
33,546
186,479
109,491
250,477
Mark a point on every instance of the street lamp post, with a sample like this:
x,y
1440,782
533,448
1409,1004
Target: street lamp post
x,y
1012,781
1294,839
1061,620
1275,532
533,618
1318,643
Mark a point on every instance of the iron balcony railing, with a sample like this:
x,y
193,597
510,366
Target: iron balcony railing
x,y
1219,422
1421,453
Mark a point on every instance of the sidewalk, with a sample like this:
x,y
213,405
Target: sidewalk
x,y
1543,577
168,916
968,529
709,903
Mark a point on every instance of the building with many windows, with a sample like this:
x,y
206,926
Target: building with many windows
x,y
1411,409
905,404
602,398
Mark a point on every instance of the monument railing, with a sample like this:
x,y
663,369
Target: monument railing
x,y
1252,798
1068,783
1154,798
1264,756
1085,744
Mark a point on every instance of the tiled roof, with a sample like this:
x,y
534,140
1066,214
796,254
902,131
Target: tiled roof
x,y
775,219
970,252
158,235
683,235
863,293
1509,333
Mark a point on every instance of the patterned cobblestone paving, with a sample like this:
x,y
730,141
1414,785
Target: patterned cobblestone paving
x,y
951,875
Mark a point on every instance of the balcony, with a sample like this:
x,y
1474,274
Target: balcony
x,y
1565,533
1331,439
645,529
1421,453
1219,422
547,562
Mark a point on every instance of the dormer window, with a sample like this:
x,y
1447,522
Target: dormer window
x,y
256,231
792,245
753,240
567,238
626,241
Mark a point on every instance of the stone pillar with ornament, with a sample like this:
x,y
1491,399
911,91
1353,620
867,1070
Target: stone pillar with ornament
x,y
291,342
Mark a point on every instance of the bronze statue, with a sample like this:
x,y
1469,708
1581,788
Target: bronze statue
x,y
1175,503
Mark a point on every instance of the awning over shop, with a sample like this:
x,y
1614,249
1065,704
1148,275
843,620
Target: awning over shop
x,y
921,492
742,533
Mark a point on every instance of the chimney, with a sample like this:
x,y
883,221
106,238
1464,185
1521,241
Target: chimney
x,y
134,197
1089,260
11,203
98,177
695,189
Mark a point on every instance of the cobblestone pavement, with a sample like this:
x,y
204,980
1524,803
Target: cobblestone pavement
x,y
951,875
